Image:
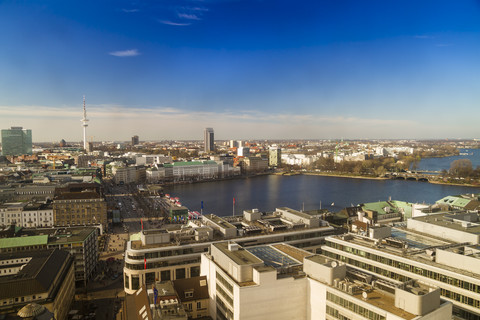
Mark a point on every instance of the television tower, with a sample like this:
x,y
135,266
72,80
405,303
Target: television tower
x,y
85,125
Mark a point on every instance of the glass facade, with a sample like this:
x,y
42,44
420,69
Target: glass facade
x,y
16,141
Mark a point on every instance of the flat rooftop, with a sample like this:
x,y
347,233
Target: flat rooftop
x,y
416,240
411,253
240,256
295,212
273,257
219,221
383,300
452,221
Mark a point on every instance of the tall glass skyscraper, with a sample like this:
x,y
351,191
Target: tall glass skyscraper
x,y
208,140
16,141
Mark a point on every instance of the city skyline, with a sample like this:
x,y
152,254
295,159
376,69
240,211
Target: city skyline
x,y
248,69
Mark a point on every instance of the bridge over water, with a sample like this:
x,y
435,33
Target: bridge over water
x,y
415,176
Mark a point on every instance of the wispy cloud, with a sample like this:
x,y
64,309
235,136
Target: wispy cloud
x,y
188,16
111,121
130,10
125,53
196,9
172,23
423,36
444,45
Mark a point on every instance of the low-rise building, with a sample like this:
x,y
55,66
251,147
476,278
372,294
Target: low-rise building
x,y
253,165
193,294
81,243
45,277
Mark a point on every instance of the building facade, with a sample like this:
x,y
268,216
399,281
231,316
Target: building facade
x,y
80,209
16,141
274,156
396,259
81,243
283,282
208,140
174,253
44,277
135,140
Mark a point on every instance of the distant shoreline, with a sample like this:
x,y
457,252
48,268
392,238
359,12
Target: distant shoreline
x,y
172,184
377,178
342,176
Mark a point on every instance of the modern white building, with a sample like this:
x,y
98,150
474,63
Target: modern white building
x,y
401,255
174,251
298,159
150,159
191,171
279,281
243,152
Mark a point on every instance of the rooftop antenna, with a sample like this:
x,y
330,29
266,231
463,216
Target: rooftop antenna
x,y
85,124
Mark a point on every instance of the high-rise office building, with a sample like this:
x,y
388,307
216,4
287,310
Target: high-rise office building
x,y
274,156
208,140
16,141
135,140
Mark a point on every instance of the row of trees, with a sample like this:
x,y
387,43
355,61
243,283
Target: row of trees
x,y
462,168
373,167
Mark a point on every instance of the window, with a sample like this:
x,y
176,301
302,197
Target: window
x,y
199,305
127,282
195,271
165,275
149,277
180,273
189,294
135,282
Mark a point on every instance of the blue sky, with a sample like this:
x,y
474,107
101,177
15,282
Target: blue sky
x,y
167,69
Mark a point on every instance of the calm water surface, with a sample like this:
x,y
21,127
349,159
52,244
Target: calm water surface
x,y
269,192
438,164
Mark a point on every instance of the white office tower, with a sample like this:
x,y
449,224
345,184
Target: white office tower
x,y
85,125
209,145
233,144
243,152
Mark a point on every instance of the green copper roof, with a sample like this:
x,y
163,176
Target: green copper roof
x,y
376,206
406,206
23,241
189,163
454,201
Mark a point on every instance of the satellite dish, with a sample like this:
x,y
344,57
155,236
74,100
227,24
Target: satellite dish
x,y
334,264
364,295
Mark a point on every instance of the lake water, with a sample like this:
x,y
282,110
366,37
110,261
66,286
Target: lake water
x,y
438,164
302,191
